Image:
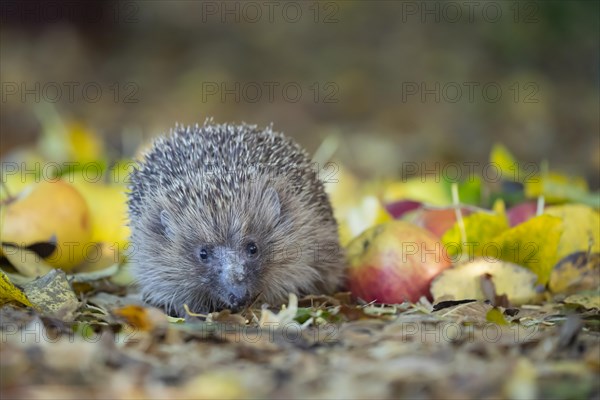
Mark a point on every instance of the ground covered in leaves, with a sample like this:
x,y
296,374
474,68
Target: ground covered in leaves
x,y
460,289
317,347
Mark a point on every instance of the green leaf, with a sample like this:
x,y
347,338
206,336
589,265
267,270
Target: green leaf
x,y
469,191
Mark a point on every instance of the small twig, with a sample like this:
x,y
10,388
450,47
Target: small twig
x,y
193,314
540,205
458,212
254,301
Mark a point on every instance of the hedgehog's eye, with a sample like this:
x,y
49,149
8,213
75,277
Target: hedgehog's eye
x,y
203,254
252,249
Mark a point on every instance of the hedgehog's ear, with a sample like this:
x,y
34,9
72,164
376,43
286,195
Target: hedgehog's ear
x,y
273,202
167,224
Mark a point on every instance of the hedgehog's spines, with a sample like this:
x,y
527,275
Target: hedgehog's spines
x,y
212,179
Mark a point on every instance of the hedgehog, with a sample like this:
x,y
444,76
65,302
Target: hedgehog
x,y
223,216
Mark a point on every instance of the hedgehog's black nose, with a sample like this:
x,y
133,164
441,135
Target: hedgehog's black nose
x,y
238,297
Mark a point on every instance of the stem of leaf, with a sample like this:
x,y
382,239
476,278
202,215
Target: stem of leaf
x,y
458,212
540,205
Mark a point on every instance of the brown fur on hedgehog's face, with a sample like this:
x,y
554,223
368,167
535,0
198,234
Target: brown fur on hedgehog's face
x,y
226,272
223,251
230,270
214,249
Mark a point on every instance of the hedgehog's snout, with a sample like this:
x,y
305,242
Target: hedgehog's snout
x,y
238,296
234,289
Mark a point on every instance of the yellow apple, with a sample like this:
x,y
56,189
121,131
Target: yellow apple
x,y
49,211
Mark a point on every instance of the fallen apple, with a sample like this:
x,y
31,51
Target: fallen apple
x,y
400,208
394,262
437,220
49,211
521,212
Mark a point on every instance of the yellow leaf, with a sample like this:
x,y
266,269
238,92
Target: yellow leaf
x,y
108,210
576,272
495,316
175,320
480,229
464,281
67,140
431,190
589,300
84,145
501,158
368,213
341,187
532,244
499,207
581,228
10,293
24,169
558,188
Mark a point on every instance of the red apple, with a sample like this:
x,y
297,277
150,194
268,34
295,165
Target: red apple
x,y
436,220
394,262
521,212
399,208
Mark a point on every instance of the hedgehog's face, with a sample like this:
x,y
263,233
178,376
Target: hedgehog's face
x,y
230,270
227,254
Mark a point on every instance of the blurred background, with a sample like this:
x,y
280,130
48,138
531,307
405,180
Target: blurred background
x,y
390,81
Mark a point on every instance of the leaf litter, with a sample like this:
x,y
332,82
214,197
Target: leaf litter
x,y
513,324
349,351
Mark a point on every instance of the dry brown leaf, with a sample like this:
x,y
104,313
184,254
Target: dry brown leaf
x,y
52,295
142,318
